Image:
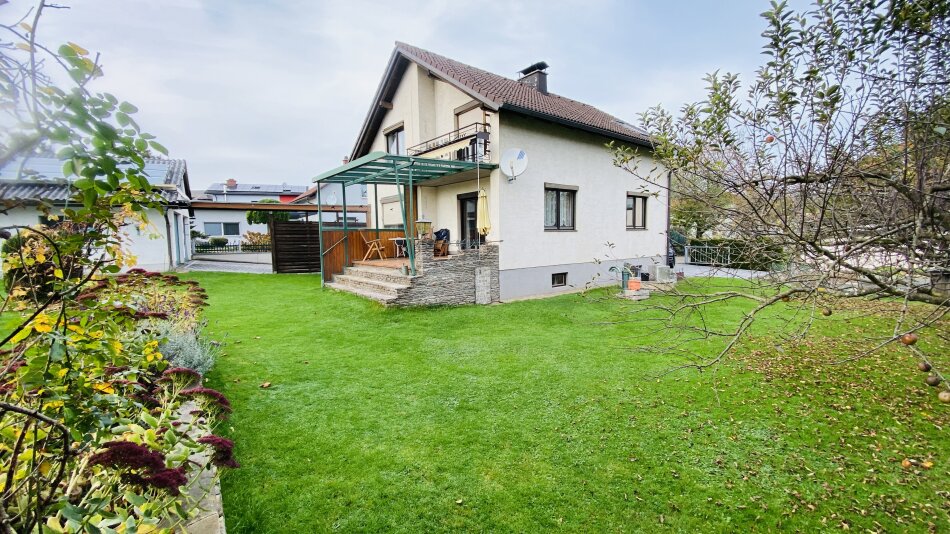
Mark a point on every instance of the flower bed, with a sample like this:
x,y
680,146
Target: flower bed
x,y
93,437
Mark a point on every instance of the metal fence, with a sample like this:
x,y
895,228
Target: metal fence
x,y
208,248
708,255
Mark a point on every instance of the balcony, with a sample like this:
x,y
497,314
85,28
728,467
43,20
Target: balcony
x,y
469,143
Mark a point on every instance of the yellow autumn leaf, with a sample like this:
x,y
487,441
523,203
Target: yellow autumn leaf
x,y
43,328
26,26
58,273
103,387
22,334
24,46
78,49
53,524
40,257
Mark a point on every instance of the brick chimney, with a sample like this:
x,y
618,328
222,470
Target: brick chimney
x,y
231,183
535,76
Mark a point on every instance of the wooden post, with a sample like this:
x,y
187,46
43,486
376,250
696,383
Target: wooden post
x,y
346,232
323,278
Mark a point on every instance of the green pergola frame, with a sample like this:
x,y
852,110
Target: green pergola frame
x,y
389,169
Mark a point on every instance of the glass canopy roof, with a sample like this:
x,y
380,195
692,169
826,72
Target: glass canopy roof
x,y
383,168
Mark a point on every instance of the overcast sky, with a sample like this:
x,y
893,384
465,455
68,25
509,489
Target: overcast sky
x,y
275,91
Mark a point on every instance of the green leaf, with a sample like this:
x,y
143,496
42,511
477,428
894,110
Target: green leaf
x,y
941,130
125,107
89,197
72,512
122,119
57,351
68,169
158,147
135,499
66,51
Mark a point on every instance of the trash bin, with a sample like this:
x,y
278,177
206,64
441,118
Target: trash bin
x,y
645,277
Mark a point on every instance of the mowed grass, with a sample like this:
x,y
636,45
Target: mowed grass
x,y
551,414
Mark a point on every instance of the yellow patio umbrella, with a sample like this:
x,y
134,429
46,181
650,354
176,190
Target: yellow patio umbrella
x,y
482,222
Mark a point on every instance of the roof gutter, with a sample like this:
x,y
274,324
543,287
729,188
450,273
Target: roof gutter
x,y
577,125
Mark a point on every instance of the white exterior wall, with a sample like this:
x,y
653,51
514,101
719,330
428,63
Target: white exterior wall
x,y
205,215
441,206
566,156
426,108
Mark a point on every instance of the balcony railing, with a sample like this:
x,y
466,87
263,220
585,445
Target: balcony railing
x,y
469,143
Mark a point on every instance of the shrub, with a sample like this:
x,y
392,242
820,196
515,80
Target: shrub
x,y
32,264
198,234
218,241
184,347
255,239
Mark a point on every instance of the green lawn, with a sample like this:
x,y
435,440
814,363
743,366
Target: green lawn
x,y
545,415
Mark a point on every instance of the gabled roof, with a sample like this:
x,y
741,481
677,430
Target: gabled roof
x,y
42,179
494,92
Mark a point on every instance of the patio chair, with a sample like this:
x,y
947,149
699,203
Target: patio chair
x,y
373,247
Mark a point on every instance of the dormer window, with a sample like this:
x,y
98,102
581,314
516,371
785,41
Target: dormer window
x,y
396,142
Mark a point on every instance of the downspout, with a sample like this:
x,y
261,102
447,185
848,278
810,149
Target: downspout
x,y
168,236
669,200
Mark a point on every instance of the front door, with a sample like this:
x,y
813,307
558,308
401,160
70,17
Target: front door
x,y
468,225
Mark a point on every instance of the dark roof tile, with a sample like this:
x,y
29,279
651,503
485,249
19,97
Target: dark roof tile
x,y
505,92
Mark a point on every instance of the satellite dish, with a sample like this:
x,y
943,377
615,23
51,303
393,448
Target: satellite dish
x,y
514,161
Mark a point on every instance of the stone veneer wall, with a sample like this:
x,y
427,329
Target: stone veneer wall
x,y
451,280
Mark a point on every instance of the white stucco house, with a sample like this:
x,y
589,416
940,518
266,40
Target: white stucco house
x,y
552,223
163,245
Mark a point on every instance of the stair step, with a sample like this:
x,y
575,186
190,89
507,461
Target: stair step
x,y
379,273
365,293
369,284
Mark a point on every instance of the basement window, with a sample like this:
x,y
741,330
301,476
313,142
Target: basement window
x,y
558,279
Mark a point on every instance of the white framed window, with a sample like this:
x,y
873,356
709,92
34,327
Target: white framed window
x,y
222,229
636,211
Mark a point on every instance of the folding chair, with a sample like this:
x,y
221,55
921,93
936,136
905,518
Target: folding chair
x,y
374,247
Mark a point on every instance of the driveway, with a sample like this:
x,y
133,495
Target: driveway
x,y
228,267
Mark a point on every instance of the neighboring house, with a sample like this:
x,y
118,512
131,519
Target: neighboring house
x,y
162,246
331,195
233,223
552,223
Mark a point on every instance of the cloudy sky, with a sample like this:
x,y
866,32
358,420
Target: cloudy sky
x,y
275,91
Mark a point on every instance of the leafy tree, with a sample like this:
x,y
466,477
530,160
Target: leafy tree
x,y
89,443
697,205
264,216
837,153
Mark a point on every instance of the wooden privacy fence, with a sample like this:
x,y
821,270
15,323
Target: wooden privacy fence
x,y
335,249
295,247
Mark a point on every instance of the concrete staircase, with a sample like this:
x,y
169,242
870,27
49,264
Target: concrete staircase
x,y
381,284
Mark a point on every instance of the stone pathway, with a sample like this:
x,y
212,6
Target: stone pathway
x,y
228,267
